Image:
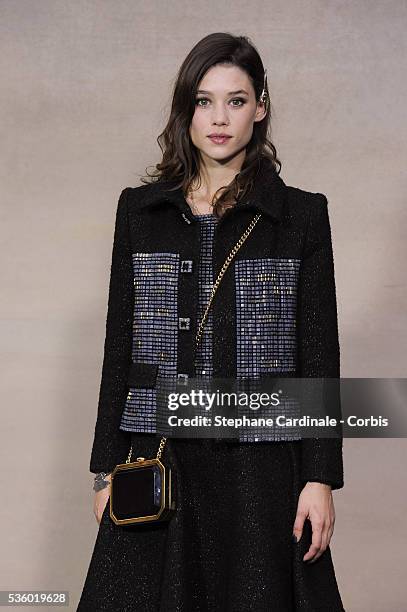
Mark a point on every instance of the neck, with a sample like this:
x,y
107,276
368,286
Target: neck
x,y
213,176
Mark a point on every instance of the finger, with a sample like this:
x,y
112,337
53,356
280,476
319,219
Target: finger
x,y
330,534
331,528
325,539
323,547
317,528
326,529
311,553
299,524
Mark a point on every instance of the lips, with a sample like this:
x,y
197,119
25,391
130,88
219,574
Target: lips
x,y
219,138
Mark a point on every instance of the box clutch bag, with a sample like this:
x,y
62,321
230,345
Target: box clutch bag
x,y
142,491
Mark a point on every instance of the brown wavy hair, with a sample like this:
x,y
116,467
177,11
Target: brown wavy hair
x,y
180,160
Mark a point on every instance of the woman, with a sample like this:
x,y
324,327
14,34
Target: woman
x,y
254,517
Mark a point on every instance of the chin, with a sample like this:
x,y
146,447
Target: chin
x,y
221,155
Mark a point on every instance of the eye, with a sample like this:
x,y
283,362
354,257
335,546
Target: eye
x,y
198,100
238,100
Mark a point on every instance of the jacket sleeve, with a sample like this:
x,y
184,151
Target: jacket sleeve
x,y
318,342
111,445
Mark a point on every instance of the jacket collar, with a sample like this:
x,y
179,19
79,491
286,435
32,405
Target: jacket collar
x,y
267,195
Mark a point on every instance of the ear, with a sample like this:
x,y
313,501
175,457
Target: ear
x,y
261,111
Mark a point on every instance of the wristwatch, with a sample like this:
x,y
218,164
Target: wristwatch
x,y
100,482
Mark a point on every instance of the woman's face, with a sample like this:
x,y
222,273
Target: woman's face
x,y
225,104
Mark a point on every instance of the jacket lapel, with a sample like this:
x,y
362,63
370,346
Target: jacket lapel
x,y
267,195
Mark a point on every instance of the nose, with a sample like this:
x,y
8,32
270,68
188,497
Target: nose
x,y
220,115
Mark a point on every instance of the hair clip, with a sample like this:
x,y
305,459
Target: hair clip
x,y
264,95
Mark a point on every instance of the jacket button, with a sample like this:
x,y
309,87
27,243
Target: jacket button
x,y
184,322
182,379
186,265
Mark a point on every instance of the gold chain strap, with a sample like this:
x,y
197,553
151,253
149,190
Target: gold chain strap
x,y
225,266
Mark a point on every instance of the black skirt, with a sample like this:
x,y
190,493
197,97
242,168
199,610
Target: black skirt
x,y
229,546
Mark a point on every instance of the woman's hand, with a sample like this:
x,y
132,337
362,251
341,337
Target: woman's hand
x,y
100,500
316,503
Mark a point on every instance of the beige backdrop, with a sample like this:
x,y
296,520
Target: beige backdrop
x,y
85,89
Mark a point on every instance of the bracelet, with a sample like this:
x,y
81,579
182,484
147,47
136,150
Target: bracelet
x,y
100,482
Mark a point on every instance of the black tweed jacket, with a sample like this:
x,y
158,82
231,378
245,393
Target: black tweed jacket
x,y
157,244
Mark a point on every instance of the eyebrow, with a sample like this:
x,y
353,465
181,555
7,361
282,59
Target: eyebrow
x,y
230,93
